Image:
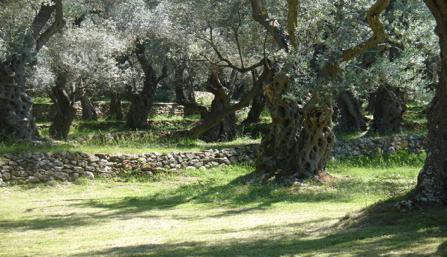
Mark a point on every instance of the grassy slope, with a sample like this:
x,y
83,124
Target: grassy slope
x,y
211,213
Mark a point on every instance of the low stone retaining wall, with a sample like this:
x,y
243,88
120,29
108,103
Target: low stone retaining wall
x,y
69,166
377,146
44,112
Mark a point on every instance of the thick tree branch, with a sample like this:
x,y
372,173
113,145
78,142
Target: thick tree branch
x,y
53,29
379,36
202,127
275,29
292,20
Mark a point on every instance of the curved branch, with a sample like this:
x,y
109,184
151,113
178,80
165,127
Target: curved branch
x,y
260,15
379,36
53,29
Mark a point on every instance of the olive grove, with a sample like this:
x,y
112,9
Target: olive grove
x,y
317,68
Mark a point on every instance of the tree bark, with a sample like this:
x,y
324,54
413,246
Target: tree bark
x,y
388,107
184,92
64,110
225,130
209,122
115,110
88,110
257,106
349,110
16,117
17,122
432,181
142,102
300,140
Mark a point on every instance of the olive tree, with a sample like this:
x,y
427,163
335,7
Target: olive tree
x,y
22,35
300,139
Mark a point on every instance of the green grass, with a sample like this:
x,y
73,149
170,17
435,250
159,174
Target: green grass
x,y
144,144
213,213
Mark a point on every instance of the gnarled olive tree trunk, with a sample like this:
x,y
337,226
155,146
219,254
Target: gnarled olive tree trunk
x,y
184,92
16,120
432,181
88,110
15,105
64,110
388,107
349,110
257,107
225,129
220,121
140,108
115,110
300,140
142,101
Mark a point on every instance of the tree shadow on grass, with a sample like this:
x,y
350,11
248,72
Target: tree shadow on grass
x,y
366,235
236,197
44,223
72,220
236,194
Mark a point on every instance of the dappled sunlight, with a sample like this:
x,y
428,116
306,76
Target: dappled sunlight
x,y
214,213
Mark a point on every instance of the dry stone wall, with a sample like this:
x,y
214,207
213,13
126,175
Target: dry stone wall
x,y
70,166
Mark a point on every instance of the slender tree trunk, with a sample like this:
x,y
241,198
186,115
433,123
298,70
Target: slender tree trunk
x,y
16,117
350,117
300,140
64,111
388,107
88,110
432,181
115,110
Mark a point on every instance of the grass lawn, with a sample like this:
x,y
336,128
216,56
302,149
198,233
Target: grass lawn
x,y
212,213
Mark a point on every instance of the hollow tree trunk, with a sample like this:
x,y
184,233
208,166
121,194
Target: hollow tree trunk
x,y
300,140
432,181
16,117
64,111
350,117
88,110
388,107
115,110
